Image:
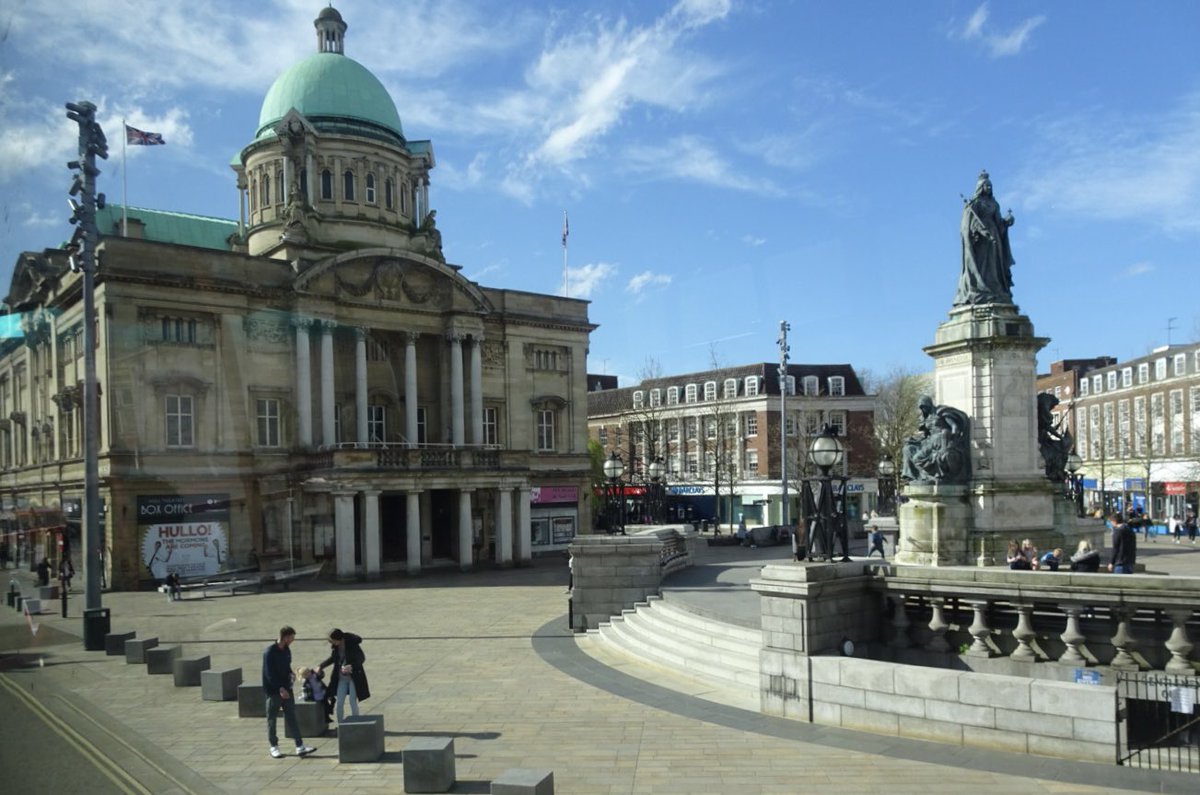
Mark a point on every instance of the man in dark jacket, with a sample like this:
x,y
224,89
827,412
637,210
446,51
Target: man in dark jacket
x,y
1124,547
277,685
349,678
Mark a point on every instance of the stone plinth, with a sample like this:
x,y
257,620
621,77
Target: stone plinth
x,y
187,671
360,739
136,648
114,642
522,781
428,764
220,685
161,659
935,524
812,608
310,716
252,701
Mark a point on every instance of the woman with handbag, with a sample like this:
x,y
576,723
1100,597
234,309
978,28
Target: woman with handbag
x,y
349,678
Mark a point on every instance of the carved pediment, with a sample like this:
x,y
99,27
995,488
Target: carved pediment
x,y
387,276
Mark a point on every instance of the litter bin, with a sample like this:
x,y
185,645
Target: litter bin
x,y
96,624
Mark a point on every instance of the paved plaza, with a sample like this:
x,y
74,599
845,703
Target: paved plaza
x,y
484,658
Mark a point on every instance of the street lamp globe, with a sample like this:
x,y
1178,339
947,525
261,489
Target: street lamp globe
x,y
826,450
614,467
656,470
1074,463
886,467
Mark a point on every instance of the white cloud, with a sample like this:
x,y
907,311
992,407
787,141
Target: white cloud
x,y
751,240
998,43
584,280
647,279
1138,269
691,159
1099,166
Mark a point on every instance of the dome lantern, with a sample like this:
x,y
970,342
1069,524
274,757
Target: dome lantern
x,y
331,31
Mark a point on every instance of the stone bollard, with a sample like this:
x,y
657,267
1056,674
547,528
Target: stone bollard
x,y
523,781
161,659
252,701
187,670
220,685
360,739
136,648
428,764
114,642
310,715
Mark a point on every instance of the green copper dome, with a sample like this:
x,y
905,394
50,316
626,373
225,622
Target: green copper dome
x,y
334,93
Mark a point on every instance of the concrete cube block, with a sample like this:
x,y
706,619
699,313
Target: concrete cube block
x,y
187,670
360,739
47,593
252,701
32,606
310,715
428,764
220,685
114,642
523,781
136,648
161,659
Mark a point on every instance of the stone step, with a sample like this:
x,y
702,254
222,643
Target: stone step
x,y
702,630
682,613
638,639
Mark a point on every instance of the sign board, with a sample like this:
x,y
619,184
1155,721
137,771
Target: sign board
x,y
553,494
1087,676
184,534
686,489
854,488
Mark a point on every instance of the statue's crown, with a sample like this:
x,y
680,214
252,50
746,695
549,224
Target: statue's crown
x,y
983,175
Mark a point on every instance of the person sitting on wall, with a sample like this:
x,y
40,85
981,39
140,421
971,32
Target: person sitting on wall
x,y
1085,558
1051,560
1016,558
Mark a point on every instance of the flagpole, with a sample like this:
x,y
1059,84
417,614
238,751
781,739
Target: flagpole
x,y
124,184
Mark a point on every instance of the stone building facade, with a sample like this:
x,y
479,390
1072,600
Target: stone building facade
x,y
313,381
719,430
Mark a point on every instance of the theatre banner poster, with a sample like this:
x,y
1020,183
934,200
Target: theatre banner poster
x,y
187,535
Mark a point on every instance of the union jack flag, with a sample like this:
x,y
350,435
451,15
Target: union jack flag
x,y
136,137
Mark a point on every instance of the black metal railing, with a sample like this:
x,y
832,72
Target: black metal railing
x,y
1158,721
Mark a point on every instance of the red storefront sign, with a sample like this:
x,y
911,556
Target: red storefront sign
x,y
1174,489
553,494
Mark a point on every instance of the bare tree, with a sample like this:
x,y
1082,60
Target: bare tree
x,y
896,411
718,438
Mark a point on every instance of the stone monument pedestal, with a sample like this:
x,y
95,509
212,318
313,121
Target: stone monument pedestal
x,y
935,523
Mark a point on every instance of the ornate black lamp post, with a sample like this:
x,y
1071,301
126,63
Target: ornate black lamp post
x,y
826,453
656,471
887,486
1073,465
614,467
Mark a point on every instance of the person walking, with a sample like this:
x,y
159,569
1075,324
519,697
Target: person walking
x,y
1189,524
277,686
349,678
43,572
876,542
66,571
1124,547
1175,527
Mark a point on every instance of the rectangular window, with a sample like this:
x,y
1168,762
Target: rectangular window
x,y
811,386
370,189
672,396
376,424
638,398
751,385
1175,400
693,464
710,390
731,428
837,421
1112,380
1160,369
751,462
422,425
601,435
1097,384
1123,427
790,425
690,393
1110,431
1140,429
812,423
1094,431
337,423
1127,377
1144,373
710,428
655,398
730,388
752,425
1081,424
545,430
1194,399
673,430
1058,391
1180,366
491,427
180,421
690,427
267,411
1083,387
1158,423
837,386
789,384
377,350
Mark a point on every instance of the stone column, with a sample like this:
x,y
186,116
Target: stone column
x,y
371,545
1072,637
303,383
1123,641
412,533
476,390
980,631
328,435
937,627
456,389
524,527
360,385
343,533
410,388
504,532
465,535
1024,633
313,176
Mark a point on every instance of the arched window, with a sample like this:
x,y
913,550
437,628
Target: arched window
x,y
388,192
327,185
266,191
370,189
253,193
279,197
304,183
404,199
348,186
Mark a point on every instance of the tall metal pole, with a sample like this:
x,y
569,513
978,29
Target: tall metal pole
x,y
784,327
92,143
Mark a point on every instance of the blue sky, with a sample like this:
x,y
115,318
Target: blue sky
x,y
726,164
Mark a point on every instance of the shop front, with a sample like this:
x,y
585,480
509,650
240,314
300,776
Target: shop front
x,y
554,516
